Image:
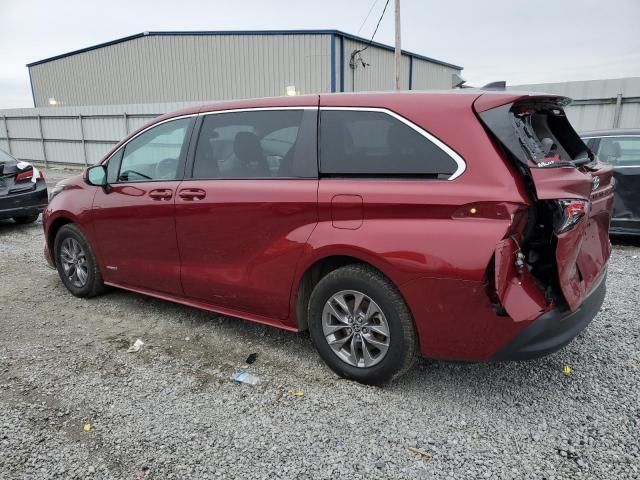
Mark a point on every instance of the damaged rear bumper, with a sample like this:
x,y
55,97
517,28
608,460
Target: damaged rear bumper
x,y
24,203
554,329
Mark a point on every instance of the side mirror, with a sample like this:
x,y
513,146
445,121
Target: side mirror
x,y
97,176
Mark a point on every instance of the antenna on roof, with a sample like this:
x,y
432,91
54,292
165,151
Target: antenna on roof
x,y
457,81
500,85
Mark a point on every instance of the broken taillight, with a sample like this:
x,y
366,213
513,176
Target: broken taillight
x,y
568,213
26,175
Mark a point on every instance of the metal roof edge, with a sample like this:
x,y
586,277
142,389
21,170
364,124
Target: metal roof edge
x,y
241,32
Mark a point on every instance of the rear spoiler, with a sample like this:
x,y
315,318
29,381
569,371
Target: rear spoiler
x,y
492,99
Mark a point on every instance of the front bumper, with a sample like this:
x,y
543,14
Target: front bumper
x,y
24,204
554,329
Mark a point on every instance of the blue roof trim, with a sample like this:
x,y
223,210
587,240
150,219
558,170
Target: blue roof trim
x,y
333,63
342,64
33,92
244,32
410,73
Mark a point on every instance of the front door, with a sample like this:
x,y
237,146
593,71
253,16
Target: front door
x,y
244,216
134,216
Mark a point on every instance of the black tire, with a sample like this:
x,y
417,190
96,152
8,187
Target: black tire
x,y
94,284
23,220
402,347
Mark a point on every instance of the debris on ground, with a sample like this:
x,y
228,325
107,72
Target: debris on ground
x,y
567,370
136,346
242,376
296,393
252,358
419,451
87,427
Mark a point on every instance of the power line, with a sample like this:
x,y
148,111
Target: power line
x,y
377,26
367,17
356,52
352,59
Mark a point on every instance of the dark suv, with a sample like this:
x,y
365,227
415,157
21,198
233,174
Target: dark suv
x,y
463,225
621,149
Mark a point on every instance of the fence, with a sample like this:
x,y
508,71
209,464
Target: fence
x,y
82,135
72,135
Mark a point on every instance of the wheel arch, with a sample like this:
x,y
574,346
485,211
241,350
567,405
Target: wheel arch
x,y
320,267
53,227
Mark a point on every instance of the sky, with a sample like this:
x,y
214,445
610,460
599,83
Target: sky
x,y
520,41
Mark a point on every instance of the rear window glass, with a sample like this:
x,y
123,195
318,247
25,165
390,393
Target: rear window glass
x,y
375,143
547,134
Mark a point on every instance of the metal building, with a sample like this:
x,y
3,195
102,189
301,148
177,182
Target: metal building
x,y
202,66
597,104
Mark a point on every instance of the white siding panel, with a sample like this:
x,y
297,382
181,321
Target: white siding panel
x,y
186,68
27,149
23,128
95,151
379,72
104,128
630,116
61,128
432,76
595,116
64,152
587,89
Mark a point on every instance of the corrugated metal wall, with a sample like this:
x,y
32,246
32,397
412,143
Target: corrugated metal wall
x,y
167,68
209,66
378,74
429,76
73,135
598,104
131,80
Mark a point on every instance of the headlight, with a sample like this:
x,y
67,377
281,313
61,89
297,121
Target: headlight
x,y
56,190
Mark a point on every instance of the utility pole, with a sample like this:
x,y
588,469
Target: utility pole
x,y
398,54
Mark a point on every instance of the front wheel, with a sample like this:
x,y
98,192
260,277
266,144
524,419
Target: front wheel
x,y
76,263
361,326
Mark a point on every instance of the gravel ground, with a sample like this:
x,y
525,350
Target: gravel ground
x,y
170,410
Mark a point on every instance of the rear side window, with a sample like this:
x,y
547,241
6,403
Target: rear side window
x,y
256,144
620,151
372,143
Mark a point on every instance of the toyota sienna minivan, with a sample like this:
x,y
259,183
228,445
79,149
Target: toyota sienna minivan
x,y
468,225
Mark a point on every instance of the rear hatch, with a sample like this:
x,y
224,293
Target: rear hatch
x,y
562,246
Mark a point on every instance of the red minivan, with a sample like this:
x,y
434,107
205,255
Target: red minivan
x,y
468,225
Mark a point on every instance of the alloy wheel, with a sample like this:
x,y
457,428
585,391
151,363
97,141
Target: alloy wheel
x,y
355,328
74,262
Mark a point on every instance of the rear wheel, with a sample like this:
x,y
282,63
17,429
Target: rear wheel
x,y
24,219
361,326
76,263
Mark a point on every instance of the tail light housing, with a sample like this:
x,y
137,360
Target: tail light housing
x,y
568,213
24,176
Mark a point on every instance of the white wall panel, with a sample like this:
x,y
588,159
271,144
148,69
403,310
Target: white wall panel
x,y
186,67
601,94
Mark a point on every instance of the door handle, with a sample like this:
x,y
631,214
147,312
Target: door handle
x,y
161,194
190,194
